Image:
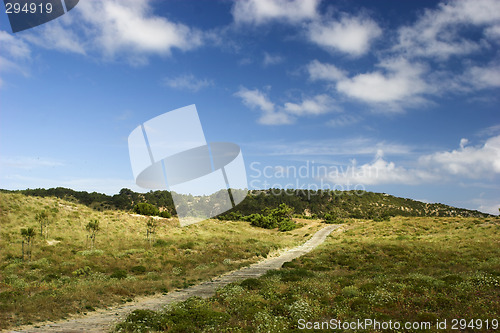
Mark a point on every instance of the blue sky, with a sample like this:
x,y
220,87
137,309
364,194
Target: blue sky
x,y
400,97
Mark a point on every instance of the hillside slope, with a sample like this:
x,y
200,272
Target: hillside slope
x,y
66,276
344,204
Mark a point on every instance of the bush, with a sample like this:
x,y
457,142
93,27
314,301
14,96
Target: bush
x,y
138,269
232,216
84,271
274,218
262,221
251,284
165,214
161,242
119,274
287,225
145,208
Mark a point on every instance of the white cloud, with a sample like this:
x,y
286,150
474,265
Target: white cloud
x,y
352,146
275,118
351,35
271,60
57,35
125,28
15,55
380,171
28,163
321,71
319,104
437,32
286,114
468,161
14,46
483,77
263,11
187,82
255,99
489,206
400,83
343,120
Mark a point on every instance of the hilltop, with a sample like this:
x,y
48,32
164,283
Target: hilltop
x,y
306,203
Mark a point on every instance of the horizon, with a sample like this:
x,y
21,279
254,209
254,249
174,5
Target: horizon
x,y
358,193
389,97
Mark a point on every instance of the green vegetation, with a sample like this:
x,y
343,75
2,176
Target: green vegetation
x,y
66,274
280,218
151,226
93,228
28,235
405,270
306,203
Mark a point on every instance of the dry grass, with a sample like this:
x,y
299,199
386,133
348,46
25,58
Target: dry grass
x,y
404,270
65,277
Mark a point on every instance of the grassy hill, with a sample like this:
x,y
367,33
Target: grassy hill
x,y
343,204
416,270
398,258
65,276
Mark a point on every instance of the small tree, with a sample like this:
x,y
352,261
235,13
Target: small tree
x,y
151,225
145,208
43,220
92,227
28,235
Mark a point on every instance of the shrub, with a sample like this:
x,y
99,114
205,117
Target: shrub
x,y
165,214
84,271
119,274
145,208
251,284
161,242
287,225
138,269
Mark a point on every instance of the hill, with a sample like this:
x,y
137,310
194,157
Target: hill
x,y
66,275
306,203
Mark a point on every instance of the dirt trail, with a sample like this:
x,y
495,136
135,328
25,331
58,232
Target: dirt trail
x,y
104,320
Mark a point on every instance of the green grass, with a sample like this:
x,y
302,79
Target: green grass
x,y
405,270
65,276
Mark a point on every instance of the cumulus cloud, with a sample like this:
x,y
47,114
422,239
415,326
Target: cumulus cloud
x,y
400,82
467,162
263,11
351,35
115,28
437,33
256,99
286,114
187,82
328,72
316,105
380,171
397,83
482,77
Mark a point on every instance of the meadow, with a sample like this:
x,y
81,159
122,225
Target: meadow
x,y
406,270
66,276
